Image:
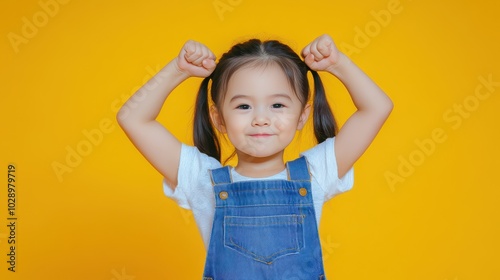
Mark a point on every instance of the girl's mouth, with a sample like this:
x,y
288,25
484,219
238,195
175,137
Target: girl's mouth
x,y
260,135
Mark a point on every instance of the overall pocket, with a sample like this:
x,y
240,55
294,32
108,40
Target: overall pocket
x,y
264,238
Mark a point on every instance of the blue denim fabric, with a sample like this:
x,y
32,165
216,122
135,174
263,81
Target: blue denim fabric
x,y
264,229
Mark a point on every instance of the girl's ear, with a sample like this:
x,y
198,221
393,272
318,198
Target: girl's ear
x,y
217,120
304,116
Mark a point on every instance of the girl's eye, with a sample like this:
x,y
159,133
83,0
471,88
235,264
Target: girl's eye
x,y
243,107
277,106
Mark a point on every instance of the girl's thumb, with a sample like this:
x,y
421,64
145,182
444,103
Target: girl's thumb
x,y
309,59
209,64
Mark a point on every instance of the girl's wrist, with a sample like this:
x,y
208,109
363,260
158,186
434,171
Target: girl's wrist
x,y
176,72
337,68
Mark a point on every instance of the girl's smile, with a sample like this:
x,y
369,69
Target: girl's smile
x,y
261,135
260,112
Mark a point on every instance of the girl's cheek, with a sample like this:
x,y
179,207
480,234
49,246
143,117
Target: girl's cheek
x,y
280,125
283,122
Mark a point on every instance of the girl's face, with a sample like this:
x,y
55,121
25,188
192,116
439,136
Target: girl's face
x,y
260,112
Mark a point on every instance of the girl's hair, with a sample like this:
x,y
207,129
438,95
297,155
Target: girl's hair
x,y
256,53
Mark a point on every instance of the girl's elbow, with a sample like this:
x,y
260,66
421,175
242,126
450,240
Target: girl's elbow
x,y
120,117
383,110
389,106
386,107
123,117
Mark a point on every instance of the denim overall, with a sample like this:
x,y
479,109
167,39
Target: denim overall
x,y
264,229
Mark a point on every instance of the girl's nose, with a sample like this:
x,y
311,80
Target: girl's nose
x,y
261,120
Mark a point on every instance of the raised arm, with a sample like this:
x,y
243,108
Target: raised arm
x,y
137,117
373,105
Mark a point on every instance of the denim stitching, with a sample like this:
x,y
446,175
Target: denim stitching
x,y
297,219
265,189
261,225
259,258
308,171
255,205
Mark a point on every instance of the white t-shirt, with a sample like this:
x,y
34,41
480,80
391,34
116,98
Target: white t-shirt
x,y
194,190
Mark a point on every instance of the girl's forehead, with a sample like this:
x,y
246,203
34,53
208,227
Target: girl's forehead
x,y
267,84
254,77
258,77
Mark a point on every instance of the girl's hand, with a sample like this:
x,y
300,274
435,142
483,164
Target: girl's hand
x,y
321,54
195,60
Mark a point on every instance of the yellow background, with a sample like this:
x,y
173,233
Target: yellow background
x,y
108,217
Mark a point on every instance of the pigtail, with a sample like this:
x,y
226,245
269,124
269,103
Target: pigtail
x,y
203,133
325,125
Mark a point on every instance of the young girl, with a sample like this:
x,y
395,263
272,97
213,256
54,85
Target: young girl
x,y
258,219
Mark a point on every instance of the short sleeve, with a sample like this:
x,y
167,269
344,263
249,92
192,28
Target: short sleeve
x,y
323,167
193,169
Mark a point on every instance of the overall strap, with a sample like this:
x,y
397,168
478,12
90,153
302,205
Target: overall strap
x,y
220,175
298,170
